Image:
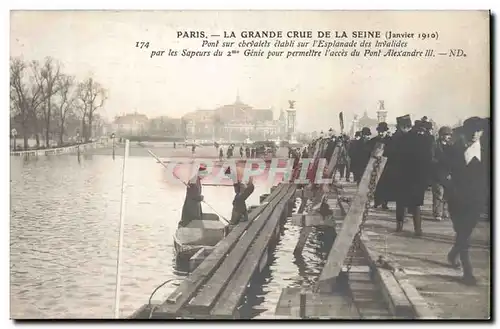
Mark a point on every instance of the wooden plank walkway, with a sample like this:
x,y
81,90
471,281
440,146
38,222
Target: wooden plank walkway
x,y
183,294
216,286
424,273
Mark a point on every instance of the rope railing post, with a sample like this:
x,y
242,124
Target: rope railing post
x,y
120,236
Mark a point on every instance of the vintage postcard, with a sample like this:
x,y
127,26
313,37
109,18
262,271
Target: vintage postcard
x,y
250,165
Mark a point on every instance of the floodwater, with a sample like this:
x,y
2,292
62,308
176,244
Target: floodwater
x,y
64,229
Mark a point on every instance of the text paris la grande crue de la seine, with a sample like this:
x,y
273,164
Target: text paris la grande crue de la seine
x,y
250,34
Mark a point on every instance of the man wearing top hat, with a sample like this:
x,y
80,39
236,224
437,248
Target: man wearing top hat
x,y
465,191
410,159
192,204
384,183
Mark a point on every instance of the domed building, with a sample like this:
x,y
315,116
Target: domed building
x,y
232,122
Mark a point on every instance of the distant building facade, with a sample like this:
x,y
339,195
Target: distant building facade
x,y
234,122
134,124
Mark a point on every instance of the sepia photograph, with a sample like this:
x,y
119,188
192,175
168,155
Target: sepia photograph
x,y
250,165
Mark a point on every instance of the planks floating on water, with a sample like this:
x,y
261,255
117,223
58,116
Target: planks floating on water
x,y
181,296
229,300
208,295
304,235
307,220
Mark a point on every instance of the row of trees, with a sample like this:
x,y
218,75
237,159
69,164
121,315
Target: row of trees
x,y
46,102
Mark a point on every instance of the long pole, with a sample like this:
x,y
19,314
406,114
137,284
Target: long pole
x,y
120,237
183,182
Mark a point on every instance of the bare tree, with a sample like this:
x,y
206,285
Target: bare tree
x,y
92,96
25,96
66,103
47,77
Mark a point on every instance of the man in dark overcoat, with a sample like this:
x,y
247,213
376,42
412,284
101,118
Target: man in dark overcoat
x,y
411,157
466,191
330,147
351,151
385,181
362,153
342,165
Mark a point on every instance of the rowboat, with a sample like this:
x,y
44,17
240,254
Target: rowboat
x,y
199,234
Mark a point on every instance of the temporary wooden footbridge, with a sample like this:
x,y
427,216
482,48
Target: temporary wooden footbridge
x,y
355,283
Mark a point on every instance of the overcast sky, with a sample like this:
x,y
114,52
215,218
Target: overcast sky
x,y
102,44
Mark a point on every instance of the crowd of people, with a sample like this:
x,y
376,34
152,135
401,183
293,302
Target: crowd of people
x,y
245,151
454,166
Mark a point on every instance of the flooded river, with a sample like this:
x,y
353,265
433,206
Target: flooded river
x,y
64,237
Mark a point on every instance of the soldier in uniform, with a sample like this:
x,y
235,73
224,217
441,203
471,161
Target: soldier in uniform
x,y
191,209
383,186
242,191
411,156
466,192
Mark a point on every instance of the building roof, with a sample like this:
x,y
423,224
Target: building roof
x,y
237,111
131,118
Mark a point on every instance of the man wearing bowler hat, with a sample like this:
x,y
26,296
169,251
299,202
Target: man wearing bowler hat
x,y
466,191
384,181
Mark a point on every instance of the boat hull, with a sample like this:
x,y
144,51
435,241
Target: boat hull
x,y
198,234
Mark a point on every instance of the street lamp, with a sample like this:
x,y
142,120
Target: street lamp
x,y
113,139
14,133
78,142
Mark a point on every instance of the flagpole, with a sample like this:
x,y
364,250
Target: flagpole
x,y
120,236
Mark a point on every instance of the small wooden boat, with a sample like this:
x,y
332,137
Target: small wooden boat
x,y
198,234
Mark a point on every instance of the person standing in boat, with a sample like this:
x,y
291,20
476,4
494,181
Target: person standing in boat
x,y
192,204
240,211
